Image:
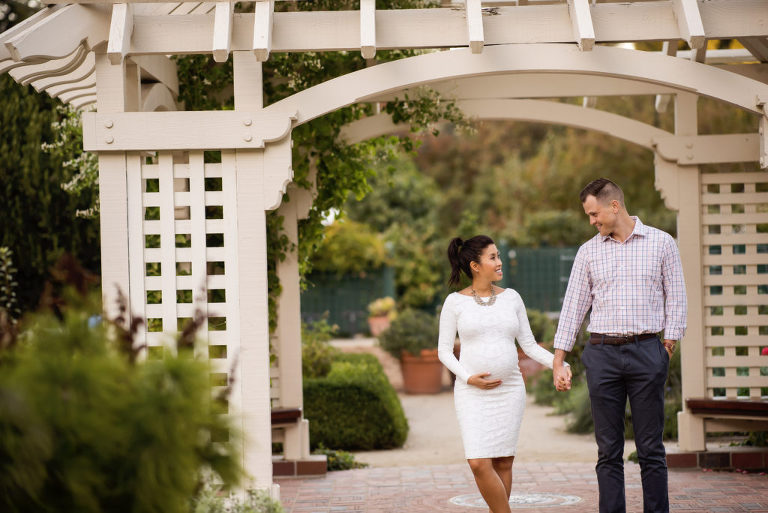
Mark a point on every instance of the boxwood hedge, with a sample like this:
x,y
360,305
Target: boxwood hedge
x,y
354,407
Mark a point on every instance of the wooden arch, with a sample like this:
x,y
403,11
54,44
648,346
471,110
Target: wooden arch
x,y
369,83
537,111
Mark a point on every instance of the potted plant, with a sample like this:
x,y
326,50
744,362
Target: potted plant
x,y
412,338
381,313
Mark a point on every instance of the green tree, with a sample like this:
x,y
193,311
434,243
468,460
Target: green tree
x,y
403,205
41,220
349,248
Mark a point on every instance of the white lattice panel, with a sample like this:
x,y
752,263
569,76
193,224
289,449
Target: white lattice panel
x,y
182,251
735,246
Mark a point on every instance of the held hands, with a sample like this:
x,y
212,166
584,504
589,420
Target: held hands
x,y
669,346
480,381
561,375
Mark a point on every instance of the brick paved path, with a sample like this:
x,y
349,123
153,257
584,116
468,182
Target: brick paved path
x,y
427,489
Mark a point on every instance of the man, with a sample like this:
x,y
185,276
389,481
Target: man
x,y
631,276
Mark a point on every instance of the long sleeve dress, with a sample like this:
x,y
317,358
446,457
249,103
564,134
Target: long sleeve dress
x,y
489,419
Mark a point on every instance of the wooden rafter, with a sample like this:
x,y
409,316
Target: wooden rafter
x,y
690,23
120,31
441,28
757,46
263,21
581,20
475,31
222,30
368,28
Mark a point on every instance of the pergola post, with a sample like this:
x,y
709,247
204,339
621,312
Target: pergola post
x,y
691,436
681,188
253,363
287,337
113,95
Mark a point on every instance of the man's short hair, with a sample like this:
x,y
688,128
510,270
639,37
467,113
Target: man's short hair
x,y
604,190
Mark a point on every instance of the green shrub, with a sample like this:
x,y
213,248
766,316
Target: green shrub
x,y
213,500
316,354
354,408
412,331
542,326
360,359
339,460
86,427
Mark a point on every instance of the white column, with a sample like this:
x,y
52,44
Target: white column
x,y
113,193
288,332
691,435
252,375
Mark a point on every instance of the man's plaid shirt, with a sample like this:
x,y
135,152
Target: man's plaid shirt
x,y
632,287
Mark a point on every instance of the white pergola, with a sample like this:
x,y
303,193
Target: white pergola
x,y
497,59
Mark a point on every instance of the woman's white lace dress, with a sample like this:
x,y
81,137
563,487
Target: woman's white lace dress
x,y
489,419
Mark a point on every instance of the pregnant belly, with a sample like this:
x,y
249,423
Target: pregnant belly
x,y
500,360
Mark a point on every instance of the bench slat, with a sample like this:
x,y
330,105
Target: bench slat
x,y
285,415
751,407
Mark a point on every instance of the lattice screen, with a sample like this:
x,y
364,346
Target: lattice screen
x,y
183,251
735,220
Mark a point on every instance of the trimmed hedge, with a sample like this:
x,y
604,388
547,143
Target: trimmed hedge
x,y
354,407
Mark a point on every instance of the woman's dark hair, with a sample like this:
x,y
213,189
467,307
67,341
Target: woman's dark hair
x,y
461,253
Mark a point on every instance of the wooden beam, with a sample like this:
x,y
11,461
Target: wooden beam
x,y
22,26
368,28
83,71
263,20
129,131
689,21
708,149
699,54
440,28
120,31
757,46
581,20
26,74
83,102
474,13
222,30
668,48
60,33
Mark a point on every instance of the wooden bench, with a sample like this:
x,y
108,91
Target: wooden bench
x,y
733,407
285,416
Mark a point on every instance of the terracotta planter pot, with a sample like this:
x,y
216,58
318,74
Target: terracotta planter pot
x,y
421,374
378,325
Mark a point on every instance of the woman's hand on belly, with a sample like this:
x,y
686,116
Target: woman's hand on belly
x,y
480,381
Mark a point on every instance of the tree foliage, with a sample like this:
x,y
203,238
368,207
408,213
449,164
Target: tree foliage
x,y
349,248
41,220
85,426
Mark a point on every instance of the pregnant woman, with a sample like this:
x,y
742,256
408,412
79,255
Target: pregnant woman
x,y
489,393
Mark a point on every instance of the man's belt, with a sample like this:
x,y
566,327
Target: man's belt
x,y
598,338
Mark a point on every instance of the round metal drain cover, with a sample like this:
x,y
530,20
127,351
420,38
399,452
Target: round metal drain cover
x,y
520,500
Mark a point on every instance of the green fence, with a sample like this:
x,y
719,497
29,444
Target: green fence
x,y
540,275
345,298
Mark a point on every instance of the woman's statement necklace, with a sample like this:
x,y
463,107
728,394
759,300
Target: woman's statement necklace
x,y
491,300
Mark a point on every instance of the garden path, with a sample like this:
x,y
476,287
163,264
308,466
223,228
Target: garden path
x,y
434,437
